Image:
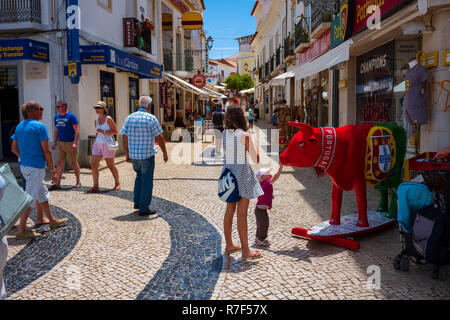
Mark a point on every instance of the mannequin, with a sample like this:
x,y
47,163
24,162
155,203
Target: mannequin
x,y
415,101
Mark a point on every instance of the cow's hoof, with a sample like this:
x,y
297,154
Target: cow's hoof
x,y
362,224
335,222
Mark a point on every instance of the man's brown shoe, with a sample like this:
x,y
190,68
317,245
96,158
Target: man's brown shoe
x,y
27,235
58,223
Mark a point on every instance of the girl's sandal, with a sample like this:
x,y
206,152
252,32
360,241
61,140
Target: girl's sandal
x,y
258,255
93,190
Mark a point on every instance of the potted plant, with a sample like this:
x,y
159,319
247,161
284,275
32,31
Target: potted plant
x,y
148,24
139,35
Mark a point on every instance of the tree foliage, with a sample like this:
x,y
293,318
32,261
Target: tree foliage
x,y
239,82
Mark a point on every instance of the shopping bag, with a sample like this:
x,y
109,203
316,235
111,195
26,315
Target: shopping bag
x,y
15,201
228,187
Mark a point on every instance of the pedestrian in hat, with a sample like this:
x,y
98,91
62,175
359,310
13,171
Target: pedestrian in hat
x,y
104,146
265,203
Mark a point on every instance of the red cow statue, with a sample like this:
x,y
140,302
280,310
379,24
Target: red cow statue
x,y
339,152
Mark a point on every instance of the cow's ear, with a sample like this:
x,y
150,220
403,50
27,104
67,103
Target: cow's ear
x,y
305,128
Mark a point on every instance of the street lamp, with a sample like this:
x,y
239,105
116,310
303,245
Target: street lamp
x,y
210,42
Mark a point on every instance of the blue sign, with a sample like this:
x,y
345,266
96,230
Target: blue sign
x,y
73,37
24,49
119,59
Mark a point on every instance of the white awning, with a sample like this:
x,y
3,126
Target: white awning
x,y
324,62
281,79
186,85
249,91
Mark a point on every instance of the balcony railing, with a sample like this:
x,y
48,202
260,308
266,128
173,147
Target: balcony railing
x,y
301,35
261,74
266,69
272,66
168,62
20,11
318,15
278,57
188,63
288,48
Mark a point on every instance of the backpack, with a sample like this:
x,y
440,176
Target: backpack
x,y
228,187
430,235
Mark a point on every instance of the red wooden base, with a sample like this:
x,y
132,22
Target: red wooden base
x,y
338,242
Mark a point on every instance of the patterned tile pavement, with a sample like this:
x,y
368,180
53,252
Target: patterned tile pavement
x,y
177,254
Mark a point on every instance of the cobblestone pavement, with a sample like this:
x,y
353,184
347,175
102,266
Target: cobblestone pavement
x,y
177,255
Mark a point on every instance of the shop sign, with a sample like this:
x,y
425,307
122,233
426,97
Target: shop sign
x,y
167,22
342,84
363,11
192,20
374,90
73,21
430,60
119,59
199,81
317,48
164,94
446,58
36,71
128,32
24,49
342,26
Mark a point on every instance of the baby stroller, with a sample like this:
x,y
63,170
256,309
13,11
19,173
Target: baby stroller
x,y
424,225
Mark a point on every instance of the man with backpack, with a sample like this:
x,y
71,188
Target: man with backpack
x,y
218,117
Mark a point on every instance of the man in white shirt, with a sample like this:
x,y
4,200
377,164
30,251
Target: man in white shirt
x,y
3,248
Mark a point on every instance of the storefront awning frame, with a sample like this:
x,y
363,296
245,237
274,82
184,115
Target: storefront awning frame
x,y
185,85
281,79
326,61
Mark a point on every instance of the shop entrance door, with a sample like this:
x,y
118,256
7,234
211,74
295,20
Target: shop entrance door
x,y
133,93
108,92
9,109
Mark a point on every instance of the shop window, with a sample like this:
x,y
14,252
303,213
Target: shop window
x,y
133,94
108,92
9,109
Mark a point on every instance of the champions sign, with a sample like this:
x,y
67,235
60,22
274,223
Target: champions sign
x,y
329,140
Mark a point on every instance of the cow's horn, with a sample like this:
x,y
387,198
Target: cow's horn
x,y
306,128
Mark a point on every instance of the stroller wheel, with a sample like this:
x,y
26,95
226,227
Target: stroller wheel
x,y
404,264
397,262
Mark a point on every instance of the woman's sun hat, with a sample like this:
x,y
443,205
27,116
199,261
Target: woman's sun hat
x,y
100,104
262,172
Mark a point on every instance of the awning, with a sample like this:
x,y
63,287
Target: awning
x,y
24,49
185,85
249,91
116,58
324,62
281,79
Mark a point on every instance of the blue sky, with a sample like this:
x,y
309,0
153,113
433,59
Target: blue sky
x,y
226,20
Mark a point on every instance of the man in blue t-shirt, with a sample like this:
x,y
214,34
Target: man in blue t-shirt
x,y
67,132
30,144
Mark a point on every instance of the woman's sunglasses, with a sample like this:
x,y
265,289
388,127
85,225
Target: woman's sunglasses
x,y
98,108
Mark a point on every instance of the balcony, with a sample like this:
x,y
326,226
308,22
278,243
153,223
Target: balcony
x,y
289,54
320,22
137,35
12,11
302,40
266,69
271,64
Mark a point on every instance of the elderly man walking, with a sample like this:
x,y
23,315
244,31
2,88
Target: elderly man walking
x,y
140,131
30,144
67,132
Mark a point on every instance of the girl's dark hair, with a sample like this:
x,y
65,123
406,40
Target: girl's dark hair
x,y
235,119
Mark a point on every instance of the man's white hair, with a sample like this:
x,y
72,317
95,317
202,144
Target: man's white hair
x,y
145,102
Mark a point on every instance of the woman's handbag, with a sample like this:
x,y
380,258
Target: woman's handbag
x,y
15,201
112,145
228,187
